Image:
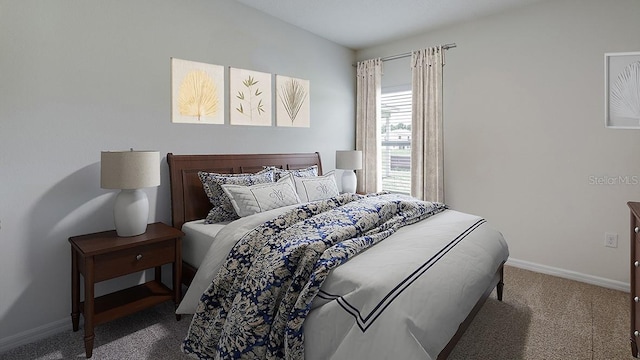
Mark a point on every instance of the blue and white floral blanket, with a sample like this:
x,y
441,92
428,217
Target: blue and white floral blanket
x,y
257,303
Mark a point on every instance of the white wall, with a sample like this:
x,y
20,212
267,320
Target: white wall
x,y
524,128
79,77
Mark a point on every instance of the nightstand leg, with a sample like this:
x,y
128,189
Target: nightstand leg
x,y
88,345
88,306
75,291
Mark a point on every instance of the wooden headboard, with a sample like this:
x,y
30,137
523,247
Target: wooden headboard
x,y
188,200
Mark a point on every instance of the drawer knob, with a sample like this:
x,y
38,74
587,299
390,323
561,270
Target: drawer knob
x,y
636,299
139,256
636,333
636,229
636,264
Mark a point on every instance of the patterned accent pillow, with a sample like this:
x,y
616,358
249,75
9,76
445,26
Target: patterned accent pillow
x,y
279,173
249,200
212,183
317,187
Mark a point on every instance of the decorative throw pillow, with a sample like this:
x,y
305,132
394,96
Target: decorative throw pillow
x,y
309,171
317,187
249,200
222,209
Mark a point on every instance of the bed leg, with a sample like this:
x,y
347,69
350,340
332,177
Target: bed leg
x,y
500,285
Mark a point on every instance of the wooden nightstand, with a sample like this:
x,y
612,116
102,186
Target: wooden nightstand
x,y
104,255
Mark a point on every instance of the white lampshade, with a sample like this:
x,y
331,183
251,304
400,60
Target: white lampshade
x,y
349,159
130,171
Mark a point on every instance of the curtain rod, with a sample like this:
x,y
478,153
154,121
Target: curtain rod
x,y
400,56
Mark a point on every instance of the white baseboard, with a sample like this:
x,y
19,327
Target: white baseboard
x,y
571,275
29,336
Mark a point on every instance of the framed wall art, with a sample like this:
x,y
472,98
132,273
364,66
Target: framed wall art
x,y
622,90
197,92
250,97
292,102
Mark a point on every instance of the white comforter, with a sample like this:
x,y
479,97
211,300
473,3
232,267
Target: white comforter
x,y
404,298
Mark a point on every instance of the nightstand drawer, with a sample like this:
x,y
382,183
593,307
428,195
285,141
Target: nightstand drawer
x,y
118,263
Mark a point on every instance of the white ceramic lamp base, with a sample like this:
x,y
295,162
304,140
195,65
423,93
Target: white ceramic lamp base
x,y
349,181
131,212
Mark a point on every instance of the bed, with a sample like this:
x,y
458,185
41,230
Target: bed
x,y
421,316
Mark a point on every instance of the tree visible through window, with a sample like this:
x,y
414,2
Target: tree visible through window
x,y
395,130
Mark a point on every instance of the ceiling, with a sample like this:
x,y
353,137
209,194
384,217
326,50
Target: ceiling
x,y
359,24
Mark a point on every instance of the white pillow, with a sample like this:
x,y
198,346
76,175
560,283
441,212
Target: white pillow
x,y
278,173
249,200
316,187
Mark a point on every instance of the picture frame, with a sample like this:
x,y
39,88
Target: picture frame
x,y
197,92
622,90
292,102
249,97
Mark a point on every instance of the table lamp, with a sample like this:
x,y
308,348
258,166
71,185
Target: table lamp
x,y
349,160
130,171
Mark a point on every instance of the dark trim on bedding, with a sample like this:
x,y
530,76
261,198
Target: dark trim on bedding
x,y
368,320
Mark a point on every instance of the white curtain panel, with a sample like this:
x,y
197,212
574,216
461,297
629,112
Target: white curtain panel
x,y
369,78
427,158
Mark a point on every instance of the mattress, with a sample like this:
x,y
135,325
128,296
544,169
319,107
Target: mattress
x,y
197,240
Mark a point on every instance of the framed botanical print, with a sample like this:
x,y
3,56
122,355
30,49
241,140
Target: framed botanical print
x,y
292,103
622,90
197,92
250,97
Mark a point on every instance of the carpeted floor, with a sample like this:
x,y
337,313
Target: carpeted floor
x,y
541,317
150,334
546,317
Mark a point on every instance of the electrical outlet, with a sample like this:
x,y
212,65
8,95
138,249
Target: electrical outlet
x,y
611,240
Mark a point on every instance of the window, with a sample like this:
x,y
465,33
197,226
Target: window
x,y
395,131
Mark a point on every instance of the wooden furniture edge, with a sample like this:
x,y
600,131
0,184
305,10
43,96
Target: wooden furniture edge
x,y
109,241
634,208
